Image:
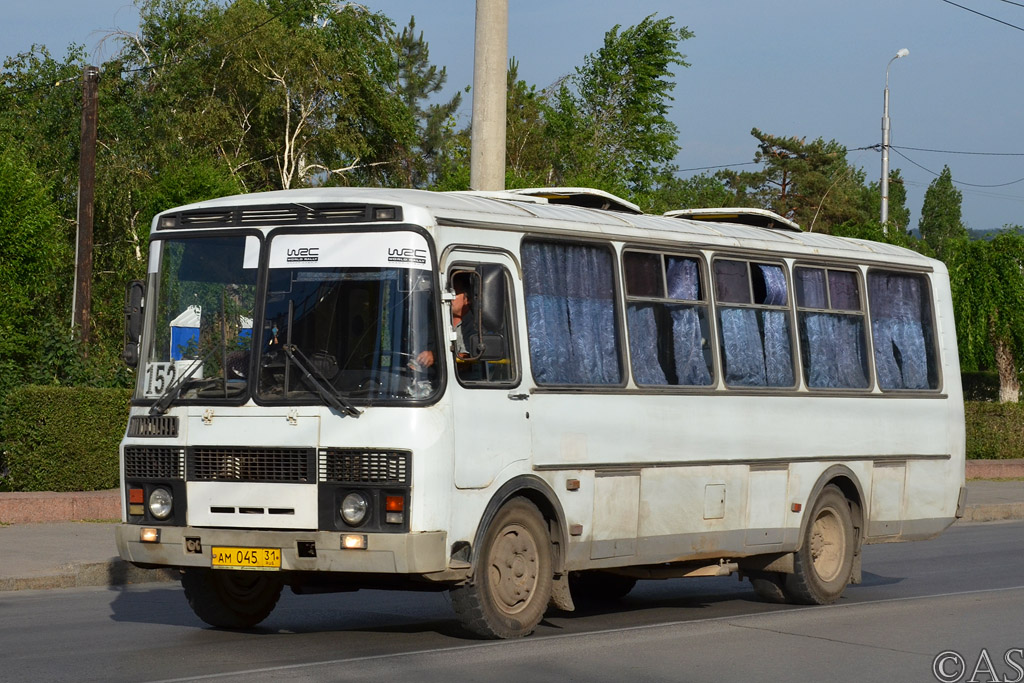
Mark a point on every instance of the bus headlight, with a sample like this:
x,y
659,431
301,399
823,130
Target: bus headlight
x,y
353,509
160,503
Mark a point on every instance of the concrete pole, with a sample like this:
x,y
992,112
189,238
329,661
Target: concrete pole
x,y
884,181
487,155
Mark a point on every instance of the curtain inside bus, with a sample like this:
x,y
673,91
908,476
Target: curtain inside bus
x,y
570,314
901,324
755,341
833,343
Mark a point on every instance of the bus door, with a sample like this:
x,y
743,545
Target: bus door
x,y
489,407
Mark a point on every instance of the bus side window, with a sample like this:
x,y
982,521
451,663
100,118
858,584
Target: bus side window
x,y
483,351
753,322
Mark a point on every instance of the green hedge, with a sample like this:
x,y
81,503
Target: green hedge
x,y
980,386
62,438
994,430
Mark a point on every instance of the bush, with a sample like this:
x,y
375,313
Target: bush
x,y
980,386
994,430
62,438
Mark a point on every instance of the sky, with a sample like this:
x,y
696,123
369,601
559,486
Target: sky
x,y
805,68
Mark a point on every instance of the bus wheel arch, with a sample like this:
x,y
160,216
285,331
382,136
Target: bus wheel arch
x,y
537,491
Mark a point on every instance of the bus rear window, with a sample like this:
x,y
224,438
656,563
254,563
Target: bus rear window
x,y
903,331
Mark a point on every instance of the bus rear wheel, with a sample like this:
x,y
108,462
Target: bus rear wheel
x,y
511,584
231,599
824,564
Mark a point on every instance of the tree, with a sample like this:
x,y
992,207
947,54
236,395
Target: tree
x,y
809,183
607,124
418,80
899,214
988,285
284,98
33,264
528,161
699,191
940,214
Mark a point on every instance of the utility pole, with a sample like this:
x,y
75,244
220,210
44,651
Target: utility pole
x,y
487,153
82,299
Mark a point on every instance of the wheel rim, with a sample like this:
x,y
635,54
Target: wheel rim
x,y
828,545
513,568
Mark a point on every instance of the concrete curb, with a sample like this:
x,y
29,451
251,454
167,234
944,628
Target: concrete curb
x,y
114,572
993,512
995,469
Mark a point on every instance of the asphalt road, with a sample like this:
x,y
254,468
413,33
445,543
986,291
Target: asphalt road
x,y
953,603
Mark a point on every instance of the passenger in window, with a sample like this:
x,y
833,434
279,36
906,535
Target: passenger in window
x,y
463,322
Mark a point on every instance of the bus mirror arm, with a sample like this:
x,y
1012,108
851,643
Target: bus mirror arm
x,y
134,298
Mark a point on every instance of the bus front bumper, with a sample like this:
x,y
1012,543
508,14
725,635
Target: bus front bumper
x,y
319,551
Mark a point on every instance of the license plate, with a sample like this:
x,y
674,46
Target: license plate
x,y
246,558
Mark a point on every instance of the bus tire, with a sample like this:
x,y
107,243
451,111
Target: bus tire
x,y
511,585
231,599
598,586
770,587
824,564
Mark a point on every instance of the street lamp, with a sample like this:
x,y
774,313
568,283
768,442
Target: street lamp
x,y
885,142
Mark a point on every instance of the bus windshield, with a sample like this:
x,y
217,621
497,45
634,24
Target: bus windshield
x,y
339,321
204,289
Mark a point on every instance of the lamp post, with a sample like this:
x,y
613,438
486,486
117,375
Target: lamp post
x,y
885,142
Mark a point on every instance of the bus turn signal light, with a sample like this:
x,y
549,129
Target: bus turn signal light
x,y
394,503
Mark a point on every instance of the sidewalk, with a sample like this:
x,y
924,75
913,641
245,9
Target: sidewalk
x,y
55,552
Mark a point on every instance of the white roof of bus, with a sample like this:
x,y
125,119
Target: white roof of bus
x,y
534,214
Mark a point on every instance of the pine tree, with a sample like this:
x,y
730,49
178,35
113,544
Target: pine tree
x,y
940,213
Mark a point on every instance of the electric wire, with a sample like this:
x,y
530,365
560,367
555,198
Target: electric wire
x,y
981,14
958,182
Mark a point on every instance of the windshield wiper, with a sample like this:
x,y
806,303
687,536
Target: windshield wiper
x,y
317,379
172,392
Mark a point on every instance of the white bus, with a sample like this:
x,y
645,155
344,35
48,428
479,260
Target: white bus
x,y
619,396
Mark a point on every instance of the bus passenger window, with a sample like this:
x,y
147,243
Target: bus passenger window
x,y
832,331
570,313
667,318
902,330
754,327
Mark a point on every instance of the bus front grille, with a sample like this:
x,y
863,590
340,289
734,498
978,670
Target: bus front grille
x,y
145,462
359,466
163,426
281,465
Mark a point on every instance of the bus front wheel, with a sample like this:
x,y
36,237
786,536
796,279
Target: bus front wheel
x,y
231,599
511,584
824,564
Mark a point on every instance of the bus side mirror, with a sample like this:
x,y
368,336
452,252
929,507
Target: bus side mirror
x,y
133,301
491,345
493,298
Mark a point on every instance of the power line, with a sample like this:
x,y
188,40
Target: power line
x,y
951,151
710,168
980,14
958,182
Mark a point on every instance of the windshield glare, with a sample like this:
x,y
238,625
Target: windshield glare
x,y
360,331
201,333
